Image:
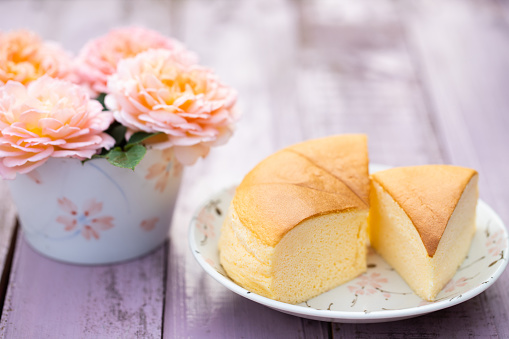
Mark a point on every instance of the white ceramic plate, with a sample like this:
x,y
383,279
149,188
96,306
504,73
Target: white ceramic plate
x,y
378,295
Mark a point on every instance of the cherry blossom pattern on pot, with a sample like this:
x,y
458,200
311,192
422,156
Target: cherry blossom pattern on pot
x,y
86,221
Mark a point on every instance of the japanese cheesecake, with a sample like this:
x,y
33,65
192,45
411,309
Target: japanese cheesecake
x,y
422,221
297,225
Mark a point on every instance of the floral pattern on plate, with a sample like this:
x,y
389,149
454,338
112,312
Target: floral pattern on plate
x,y
378,295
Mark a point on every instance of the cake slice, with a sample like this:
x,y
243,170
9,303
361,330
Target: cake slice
x,y
297,225
422,221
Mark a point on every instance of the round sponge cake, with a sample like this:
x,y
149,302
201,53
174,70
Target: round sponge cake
x,y
297,225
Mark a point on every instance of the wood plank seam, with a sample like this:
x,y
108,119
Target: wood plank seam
x,y
165,280
4,280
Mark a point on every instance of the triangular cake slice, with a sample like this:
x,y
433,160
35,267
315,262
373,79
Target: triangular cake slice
x,y
297,225
422,221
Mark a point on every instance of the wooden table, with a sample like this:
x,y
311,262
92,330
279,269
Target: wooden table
x,y
426,80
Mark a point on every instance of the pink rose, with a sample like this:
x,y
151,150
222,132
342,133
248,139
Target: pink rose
x,y
155,92
48,118
24,57
98,59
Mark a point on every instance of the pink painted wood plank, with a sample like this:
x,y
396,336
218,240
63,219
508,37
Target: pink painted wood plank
x,y
463,49
468,91
48,299
73,23
246,43
356,75
367,78
466,320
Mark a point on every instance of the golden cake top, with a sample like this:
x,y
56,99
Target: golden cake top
x,y
304,180
428,194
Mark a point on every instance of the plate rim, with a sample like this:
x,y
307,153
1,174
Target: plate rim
x,y
333,315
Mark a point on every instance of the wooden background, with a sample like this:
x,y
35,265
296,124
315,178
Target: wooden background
x,y
427,80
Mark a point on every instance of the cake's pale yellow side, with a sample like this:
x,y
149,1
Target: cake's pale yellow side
x,y
245,258
395,237
319,254
457,238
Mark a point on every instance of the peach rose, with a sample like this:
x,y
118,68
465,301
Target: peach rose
x,y
25,57
154,92
48,118
98,59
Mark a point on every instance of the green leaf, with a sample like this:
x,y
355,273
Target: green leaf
x,y
102,155
117,131
96,156
125,155
126,159
101,98
138,137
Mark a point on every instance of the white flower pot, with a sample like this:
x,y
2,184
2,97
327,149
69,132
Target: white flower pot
x,y
96,213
